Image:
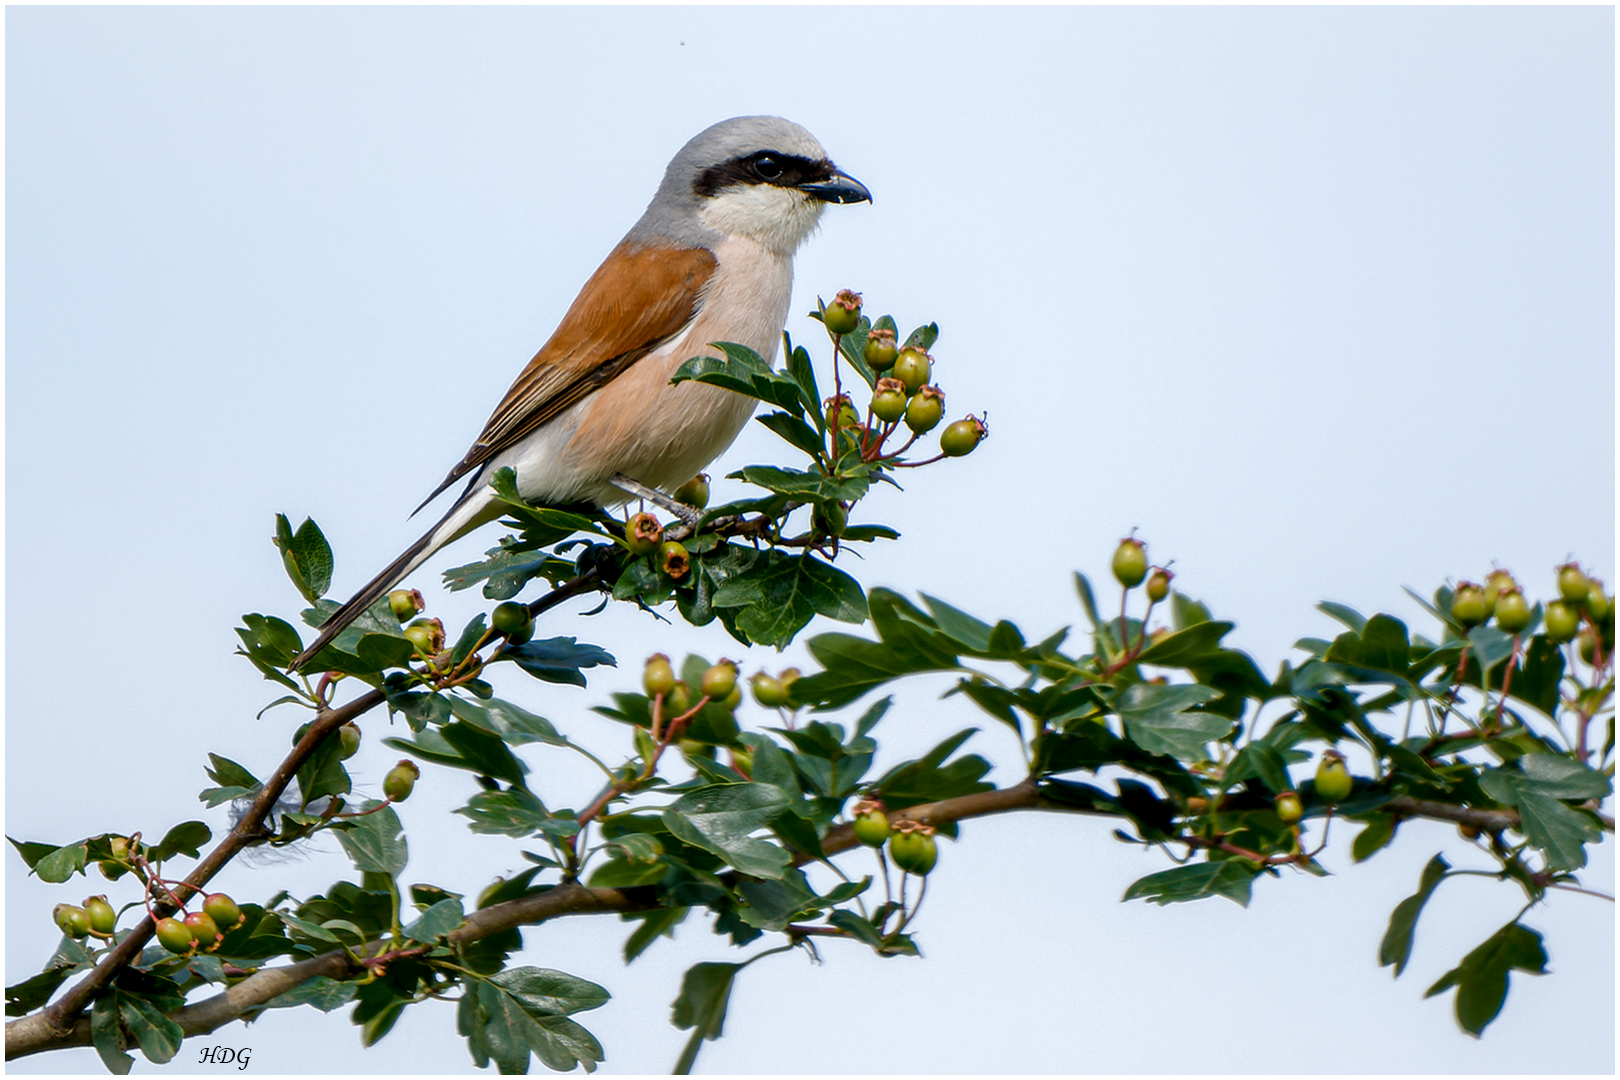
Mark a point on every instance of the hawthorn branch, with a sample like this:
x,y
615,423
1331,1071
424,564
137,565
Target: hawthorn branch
x,y
62,1016
36,1033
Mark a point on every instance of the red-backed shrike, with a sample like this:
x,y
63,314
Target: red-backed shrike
x,y
711,260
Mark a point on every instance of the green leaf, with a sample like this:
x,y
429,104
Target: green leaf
x,y
24,997
187,838
437,921
1482,977
1379,831
158,1036
660,922
795,431
321,992
1559,777
1157,720
1561,833
376,842
108,1036
227,773
1347,615
805,486
306,555
720,818
516,812
1396,948
1195,881
558,659
782,592
31,850
62,863
1184,647
701,1006
928,780
544,992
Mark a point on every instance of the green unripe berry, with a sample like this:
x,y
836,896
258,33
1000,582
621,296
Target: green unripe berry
x,y
421,638
1333,780
913,367
401,780
658,677
1599,605
926,410
962,437
1130,563
1512,610
204,931
913,849
889,400
509,617
71,920
719,681
1468,605
1563,621
742,761
678,700
173,935
405,603
843,315
1587,645
348,740
642,534
767,690
1572,584
840,413
695,492
871,826
223,910
103,919
881,351
1158,586
1288,807
674,558
1495,583
787,677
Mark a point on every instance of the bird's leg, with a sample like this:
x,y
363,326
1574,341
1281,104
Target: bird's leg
x,y
690,515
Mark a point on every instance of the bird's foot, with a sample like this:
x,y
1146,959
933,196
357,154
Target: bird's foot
x,y
689,515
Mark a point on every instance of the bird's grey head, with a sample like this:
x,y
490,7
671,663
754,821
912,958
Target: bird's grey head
x,y
758,176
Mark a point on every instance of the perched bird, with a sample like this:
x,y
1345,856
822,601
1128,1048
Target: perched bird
x,y
710,260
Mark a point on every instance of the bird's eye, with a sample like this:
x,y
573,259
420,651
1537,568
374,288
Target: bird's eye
x,y
767,167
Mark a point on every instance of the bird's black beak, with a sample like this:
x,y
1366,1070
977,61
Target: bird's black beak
x,y
838,188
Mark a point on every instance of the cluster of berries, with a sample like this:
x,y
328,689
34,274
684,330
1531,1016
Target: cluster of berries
x,y
719,685
911,843
1581,599
903,392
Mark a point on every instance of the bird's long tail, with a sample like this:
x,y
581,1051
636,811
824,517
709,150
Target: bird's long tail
x,y
472,510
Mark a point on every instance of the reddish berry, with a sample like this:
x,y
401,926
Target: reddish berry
x,y
204,931
173,935
642,534
674,559
223,910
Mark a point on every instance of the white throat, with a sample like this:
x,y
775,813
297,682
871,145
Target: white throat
x,y
780,219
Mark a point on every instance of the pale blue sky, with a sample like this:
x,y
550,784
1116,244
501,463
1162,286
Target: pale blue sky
x,y
1321,300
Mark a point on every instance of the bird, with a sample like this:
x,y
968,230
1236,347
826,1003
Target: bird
x,y
711,260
